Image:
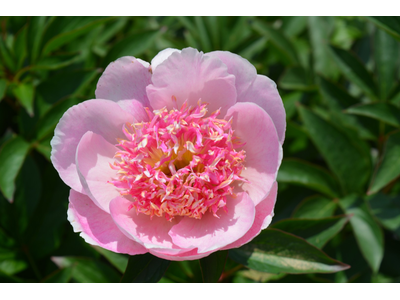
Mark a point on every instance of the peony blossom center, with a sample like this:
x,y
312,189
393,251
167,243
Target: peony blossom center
x,y
181,163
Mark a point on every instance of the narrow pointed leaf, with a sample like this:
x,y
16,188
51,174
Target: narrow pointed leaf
x,y
348,157
145,268
311,176
12,156
275,251
387,210
367,232
384,112
296,79
120,261
37,26
355,71
63,275
315,207
390,24
213,265
24,92
315,231
87,270
389,168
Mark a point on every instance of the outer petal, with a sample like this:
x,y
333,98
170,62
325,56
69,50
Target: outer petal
x,y
97,226
264,93
150,232
245,73
190,75
253,126
190,255
93,158
103,117
264,214
161,56
211,233
125,78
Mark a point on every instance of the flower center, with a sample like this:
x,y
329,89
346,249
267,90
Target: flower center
x,y
181,163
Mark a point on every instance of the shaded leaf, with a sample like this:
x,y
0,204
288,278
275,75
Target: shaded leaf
x,y
315,231
389,167
311,176
275,251
63,275
24,92
36,28
384,112
12,156
86,270
315,207
213,265
296,79
145,268
387,210
390,24
367,232
348,158
3,87
355,71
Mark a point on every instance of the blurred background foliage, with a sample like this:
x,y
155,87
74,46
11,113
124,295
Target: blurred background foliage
x,y
339,188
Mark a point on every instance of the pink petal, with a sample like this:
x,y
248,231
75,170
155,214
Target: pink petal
x,y
264,214
190,75
161,56
97,226
264,93
93,158
189,255
135,108
125,78
103,117
211,233
152,233
253,126
245,73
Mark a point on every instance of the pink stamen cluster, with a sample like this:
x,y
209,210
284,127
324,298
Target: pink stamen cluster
x,y
181,163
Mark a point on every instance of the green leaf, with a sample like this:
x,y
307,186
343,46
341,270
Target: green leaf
x,y
213,265
24,92
386,50
311,176
315,231
120,261
12,156
3,87
367,232
133,45
63,275
36,29
11,262
384,112
201,29
390,24
315,207
389,167
347,157
296,79
83,25
320,29
355,71
278,38
275,251
7,57
145,268
86,270
289,102
387,210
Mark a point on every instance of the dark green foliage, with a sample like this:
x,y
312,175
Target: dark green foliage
x,y
337,216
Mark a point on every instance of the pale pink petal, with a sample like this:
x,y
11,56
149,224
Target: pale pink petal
x,y
125,78
135,108
150,232
190,75
264,214
253,126
97,226
212,233
264,93
189,255
93,158
161,56
102,117
245,73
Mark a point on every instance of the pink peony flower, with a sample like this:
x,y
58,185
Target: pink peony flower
x,y
178,158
